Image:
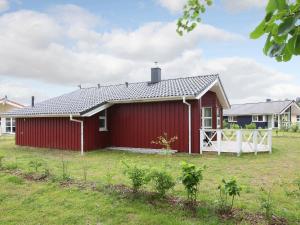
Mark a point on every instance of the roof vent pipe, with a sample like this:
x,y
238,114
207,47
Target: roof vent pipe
x,y
126,84
155,74
268,100
32,101
79,86
98,85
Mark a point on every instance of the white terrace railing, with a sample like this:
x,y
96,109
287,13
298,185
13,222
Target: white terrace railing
x,y
235,141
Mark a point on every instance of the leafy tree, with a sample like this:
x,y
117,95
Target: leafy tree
x,y
280,24
191,178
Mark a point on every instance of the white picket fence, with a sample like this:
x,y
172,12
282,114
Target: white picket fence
x,y
235,141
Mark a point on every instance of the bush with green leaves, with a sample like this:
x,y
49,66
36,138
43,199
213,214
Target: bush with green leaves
x,y
295,128
35,164
250,126
266,203
228,189
137,175
1,161
162,181
191,178
225,124
65,173
234,126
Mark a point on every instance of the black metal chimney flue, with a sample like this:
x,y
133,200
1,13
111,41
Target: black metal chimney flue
x,y
32,101
155,74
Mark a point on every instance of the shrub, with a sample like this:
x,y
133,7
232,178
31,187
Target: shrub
x,y
137,175
225,124
250,126
164,141
191,177
234,126
65,174
266,203
228,189
162,181
294,128
35,164
1,161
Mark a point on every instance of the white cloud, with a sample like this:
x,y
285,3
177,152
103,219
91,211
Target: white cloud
x,y
173,6
40,46
4,5
50,48
241,5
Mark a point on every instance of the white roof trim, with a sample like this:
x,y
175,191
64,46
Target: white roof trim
x,y
40,115
219,84
96,110
289,105
6,101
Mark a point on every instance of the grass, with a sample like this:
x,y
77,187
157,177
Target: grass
x,y
25,202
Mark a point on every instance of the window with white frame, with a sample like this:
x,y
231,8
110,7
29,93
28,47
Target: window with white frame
x,y
258,118
103,121
232,119
298,118
218,118
10,125
207,117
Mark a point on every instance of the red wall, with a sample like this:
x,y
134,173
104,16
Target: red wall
x,y
129,125
58,133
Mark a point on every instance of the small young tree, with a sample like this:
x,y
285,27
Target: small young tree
x,y
266,203
1,161
137,175
165,141
228,189
191,178
35,164
162,181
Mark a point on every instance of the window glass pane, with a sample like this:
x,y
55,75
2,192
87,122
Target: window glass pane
x,y
102,113
102,123
260,118
208,123
207,112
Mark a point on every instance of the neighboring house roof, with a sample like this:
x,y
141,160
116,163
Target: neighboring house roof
x,y
84,100
5,100
260,108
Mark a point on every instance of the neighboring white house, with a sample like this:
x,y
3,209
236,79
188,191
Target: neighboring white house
x,y
8,125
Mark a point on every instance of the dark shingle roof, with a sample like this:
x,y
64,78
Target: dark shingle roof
x,y
262,108
85,99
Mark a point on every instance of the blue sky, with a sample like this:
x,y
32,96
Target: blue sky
x,y
48,47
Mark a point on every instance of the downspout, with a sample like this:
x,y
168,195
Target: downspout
x,y
81,132
190,123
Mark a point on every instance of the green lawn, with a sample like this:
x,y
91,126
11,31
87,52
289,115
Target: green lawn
x,y
28,202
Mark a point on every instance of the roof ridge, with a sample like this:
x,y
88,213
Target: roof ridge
x,y
262,102
139,82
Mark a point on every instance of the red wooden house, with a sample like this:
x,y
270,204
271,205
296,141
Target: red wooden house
x,y
125,115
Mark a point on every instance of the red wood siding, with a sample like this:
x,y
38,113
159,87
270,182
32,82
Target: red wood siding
x,y
137,124
57,133
129,125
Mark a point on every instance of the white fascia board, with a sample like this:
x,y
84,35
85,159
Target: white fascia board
x,y
96,110
289,105
11,104
216,82
41,115
142,100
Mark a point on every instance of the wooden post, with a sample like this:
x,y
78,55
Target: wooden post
x,y
255,134
239,142
270,140
201,140
219,140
